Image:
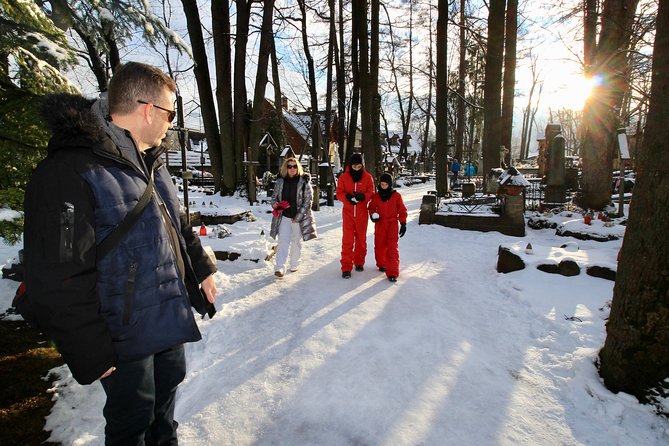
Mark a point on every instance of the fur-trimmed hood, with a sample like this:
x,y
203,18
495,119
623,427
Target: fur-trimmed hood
x,y
77,122
71,120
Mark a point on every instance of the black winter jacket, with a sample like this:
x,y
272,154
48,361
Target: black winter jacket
x,y
135,301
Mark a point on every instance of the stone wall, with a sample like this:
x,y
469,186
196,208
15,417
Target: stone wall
x,y
511,222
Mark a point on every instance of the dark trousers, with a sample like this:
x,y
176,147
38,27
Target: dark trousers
x,y
140,399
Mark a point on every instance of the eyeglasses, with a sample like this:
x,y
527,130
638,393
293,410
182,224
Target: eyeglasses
x,y
291,166
171,114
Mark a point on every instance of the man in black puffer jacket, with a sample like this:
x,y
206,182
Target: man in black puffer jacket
x,y
122,318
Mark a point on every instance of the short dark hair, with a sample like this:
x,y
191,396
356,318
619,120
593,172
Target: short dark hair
x,y
133,81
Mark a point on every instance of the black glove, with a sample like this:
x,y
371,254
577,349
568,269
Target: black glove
x,y
374,219
351,199
359,196
403,229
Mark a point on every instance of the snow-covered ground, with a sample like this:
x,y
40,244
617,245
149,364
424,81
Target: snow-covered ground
x,y
454,353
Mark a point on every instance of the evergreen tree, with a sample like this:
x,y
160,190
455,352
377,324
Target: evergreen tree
x,y
32,53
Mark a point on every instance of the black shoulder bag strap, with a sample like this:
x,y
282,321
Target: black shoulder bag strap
x,y
128,222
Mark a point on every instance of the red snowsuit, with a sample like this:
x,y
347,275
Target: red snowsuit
x,y
386,237
354,218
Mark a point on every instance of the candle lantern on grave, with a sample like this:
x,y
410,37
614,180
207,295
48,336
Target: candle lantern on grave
x,y
511,183
511,186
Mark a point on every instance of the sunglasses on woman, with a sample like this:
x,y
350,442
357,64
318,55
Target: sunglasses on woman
x,y
292,166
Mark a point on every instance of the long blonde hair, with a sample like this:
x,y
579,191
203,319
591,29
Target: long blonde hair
x,y
283,171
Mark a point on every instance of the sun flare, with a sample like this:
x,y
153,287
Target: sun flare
x,y
581,90
572,93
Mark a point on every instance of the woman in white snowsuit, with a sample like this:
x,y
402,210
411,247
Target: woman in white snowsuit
x,y
293,219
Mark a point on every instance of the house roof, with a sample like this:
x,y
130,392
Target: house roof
x,y
413,143
300,121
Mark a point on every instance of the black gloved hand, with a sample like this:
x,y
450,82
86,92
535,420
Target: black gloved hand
x,y
373,218
351,199
359,196
403,229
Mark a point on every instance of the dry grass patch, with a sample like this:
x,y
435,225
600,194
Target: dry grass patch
x,y
26,356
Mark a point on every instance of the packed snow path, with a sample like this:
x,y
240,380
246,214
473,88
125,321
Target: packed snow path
x,y
454,353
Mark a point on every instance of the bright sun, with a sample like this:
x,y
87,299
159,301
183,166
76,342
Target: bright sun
x,y
571,93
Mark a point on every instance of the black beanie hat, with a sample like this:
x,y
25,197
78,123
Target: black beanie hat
x,y
356,158
386,178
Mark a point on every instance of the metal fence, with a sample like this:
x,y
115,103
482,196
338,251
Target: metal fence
x,y
535,197
534,194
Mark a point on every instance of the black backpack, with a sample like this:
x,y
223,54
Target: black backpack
x,y
21,302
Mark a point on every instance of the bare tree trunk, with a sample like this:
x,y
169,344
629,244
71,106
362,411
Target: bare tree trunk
x,y
407,124
202,77
601,112
524,132
462,74
356,75
341,87
509,84
405,116
316,134
589,36
266,38
526,122
533,118
63,17
110,40
428,112
241,118
220,18
278,100
386,135
96,63
441,155
374,153
492,89
476,106
360,16
635,357
332,45
4,68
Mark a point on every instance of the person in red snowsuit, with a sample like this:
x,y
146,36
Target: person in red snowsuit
x,y
354,188
386,209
